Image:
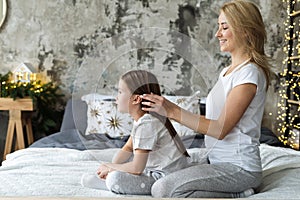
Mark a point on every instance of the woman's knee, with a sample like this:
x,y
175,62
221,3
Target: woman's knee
x,y
161,189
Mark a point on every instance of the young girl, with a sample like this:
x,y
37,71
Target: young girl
x,y
153,149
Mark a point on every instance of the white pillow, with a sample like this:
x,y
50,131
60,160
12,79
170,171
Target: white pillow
x,y
190,103
103,116
96,96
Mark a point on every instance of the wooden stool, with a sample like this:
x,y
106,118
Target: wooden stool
x,y
17,122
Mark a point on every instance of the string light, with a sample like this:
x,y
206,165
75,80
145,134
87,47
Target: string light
x,y
289,103
18,89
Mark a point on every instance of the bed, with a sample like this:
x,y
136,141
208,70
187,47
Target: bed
x,y
53,166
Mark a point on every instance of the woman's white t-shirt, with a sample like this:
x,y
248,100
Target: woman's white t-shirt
x,y
241,146
148,133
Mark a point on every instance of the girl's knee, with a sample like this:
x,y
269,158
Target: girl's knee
x,y
125,183
112,182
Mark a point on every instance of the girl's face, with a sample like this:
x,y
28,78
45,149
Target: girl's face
x,y
225,35
123,98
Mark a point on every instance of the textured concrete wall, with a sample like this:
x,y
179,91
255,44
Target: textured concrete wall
x,y
84,45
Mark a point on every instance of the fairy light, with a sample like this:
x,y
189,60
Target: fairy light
x,y
289,97
26,88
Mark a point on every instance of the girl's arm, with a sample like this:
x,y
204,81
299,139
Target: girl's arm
x,y
136,166
125,153
119,163
238,100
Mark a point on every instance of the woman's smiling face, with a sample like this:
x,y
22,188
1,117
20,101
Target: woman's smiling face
x,y
224,34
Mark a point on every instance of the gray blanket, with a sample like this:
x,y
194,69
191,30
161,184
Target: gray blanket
x,y
74,139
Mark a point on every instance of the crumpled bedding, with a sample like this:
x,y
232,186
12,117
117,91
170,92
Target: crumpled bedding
x,y
74,139
281,173
51,172
56,172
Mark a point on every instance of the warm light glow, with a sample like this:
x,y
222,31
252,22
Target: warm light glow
x,y
287,121
33,77
35,86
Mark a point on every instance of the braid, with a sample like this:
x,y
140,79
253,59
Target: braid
x,y
143,82
178,142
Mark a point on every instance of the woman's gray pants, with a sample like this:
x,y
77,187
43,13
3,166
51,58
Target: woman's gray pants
x,y
222,180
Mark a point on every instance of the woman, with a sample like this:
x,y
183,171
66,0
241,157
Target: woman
x,y
153,149
234,111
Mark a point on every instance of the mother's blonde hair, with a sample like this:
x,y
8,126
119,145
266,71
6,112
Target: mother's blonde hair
x,y
247,24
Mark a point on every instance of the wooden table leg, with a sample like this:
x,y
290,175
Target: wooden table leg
x,y
20,134
29,130
15,106
9,137
14,121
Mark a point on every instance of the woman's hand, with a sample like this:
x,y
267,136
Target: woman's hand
x,y
103,171
159,104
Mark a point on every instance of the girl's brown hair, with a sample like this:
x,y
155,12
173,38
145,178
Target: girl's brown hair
x,y
143,82
247,24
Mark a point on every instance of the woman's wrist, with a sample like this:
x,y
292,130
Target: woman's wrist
x,y
174,113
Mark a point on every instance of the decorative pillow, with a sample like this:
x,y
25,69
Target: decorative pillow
x,y
190,103
103,117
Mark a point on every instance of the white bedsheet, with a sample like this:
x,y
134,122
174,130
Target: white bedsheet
x,y
281,175
57,172
51,172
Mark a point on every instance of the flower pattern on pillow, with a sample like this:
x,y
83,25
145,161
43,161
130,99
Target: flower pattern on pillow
x,y
190,103
104,118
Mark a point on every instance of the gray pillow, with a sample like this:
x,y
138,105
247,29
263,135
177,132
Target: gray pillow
x,y
75,116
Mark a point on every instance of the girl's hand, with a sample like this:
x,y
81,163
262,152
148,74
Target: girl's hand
x,y
103,171
158,104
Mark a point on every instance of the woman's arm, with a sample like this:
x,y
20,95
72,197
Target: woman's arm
x,y
238,100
